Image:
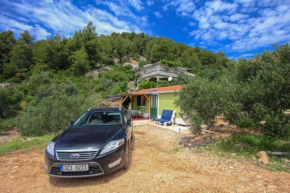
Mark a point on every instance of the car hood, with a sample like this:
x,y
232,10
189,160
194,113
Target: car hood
x,y
89,137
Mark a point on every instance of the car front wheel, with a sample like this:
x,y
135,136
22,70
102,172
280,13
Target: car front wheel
x,y
126,164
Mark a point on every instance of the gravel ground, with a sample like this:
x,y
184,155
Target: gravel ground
x,y
157,166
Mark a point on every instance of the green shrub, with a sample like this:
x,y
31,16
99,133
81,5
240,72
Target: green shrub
x,y
10,99
52,114
201,101
147,84
5,124
253,95
171,63
56,90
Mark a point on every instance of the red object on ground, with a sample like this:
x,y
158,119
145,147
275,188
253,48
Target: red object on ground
x,y
139,118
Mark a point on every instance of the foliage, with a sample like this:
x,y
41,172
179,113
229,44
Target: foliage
x,y
147,84
39,79
52,114
200,101
23,143
190,61
247,145
80,63
171,63
7,41
87,50
9,101
253,94
6,124
55,91
142,63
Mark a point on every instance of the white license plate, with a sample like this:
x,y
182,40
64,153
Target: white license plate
x,y
74,168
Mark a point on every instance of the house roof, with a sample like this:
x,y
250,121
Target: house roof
x,y
167,89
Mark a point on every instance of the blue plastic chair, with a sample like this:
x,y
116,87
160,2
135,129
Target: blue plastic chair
x,y
166,117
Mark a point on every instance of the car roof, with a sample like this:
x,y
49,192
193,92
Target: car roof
x,y
105,109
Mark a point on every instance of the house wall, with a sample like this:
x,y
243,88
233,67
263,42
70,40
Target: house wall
x,y
148,70
161,68
166,101
143,109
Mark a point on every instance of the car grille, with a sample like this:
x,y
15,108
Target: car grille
x,y
93,170
75,156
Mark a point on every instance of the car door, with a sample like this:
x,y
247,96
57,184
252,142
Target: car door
x,y
128,123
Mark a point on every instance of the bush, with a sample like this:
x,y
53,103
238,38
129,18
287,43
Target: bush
x,y
52,114
200,101
39,79
253,95
56,90
171,63
147,84
9,101
6,124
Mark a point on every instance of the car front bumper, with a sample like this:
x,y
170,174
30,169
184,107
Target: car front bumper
x,y
100,165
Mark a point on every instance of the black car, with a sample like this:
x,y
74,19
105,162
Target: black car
x,y
96,143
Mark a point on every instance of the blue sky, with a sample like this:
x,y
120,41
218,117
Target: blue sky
x,y
239,28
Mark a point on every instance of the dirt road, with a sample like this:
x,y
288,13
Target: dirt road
x,y
155,167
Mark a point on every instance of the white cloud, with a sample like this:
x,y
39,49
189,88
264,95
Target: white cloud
x,y
218,21
137,4
8,24
165,7
65,18
182,7
39,33
219,6
116,9
157,14
247,55
238,16
150,2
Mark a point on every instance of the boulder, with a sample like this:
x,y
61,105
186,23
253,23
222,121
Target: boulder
x,y
198,138
263,157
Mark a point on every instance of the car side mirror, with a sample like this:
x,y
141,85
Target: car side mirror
x,y
72,122
129,121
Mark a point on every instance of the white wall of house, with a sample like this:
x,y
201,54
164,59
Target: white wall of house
x,y
160,67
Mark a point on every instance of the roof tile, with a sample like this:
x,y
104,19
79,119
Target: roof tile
x,y
160,89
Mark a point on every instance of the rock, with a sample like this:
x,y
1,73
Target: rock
x,y
189,145
272,186
285,160
15,167
198,138
263,157
233,154
259,176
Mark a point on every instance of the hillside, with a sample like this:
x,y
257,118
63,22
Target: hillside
x,y
87,50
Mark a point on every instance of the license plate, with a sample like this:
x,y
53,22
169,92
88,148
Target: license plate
x,y
74,168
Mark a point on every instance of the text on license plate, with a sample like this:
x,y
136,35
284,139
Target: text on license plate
x,y
74,168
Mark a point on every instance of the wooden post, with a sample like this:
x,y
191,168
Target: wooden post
x,y
132,102
149,106
120,101
125,99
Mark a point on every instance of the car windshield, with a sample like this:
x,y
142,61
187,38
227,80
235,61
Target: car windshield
x,y
99,118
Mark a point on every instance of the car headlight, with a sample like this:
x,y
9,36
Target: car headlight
x,y
112,145
50,148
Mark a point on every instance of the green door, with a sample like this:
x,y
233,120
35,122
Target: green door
x,y
153,106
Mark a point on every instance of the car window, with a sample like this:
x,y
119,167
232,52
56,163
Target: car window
x,y
99,118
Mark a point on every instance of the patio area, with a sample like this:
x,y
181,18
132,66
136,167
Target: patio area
x,y
176,128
